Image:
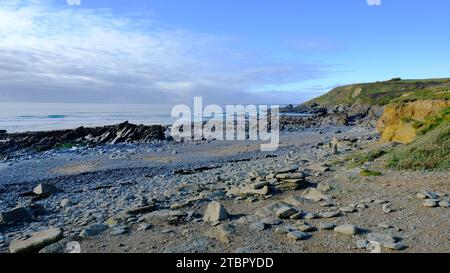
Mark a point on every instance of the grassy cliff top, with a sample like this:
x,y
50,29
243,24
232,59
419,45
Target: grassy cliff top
x,y
381,93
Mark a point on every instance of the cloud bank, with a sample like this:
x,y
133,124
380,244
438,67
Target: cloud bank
x,y
52,53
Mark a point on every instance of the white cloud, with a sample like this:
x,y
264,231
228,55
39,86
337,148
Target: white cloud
x,y
374,2
76,54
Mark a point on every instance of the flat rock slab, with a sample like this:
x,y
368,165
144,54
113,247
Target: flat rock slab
x,y
347,229
37,241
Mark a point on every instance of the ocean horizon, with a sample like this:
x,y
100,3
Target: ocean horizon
x,y
31,117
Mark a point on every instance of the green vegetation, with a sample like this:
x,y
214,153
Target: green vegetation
x,y
430,151
382,93
365,172
433,122
358,159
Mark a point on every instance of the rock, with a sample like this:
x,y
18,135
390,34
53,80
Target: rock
x,y
347,229
62,246
326,226
283,176
291,184
37,241
16,215
297,215
324,187
330,214
65,203
315,195
285,212
444,204
45,189
380,238
347,209
144,227
93,230
309,215
430,203
431,195
387,208
283,230
258,226
306,228
260,185
294,200
249,189
119,231
223,233
394,246
141,209
362,244
297,235
215,212
271,221
37,209
289,169
380,201
361,206
421,195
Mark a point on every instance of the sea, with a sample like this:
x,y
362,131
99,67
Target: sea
x,y
29,117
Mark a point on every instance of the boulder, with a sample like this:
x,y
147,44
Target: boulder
x,y
215,212
45,189
16,215
37,241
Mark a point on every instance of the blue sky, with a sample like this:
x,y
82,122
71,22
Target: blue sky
x,y
233,51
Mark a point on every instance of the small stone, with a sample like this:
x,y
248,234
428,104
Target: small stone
x,y
258,226
444,204
361,206
330,214
45,189
285,212
283,230
430,194
297,235
144,227
347,209
119,231
297,216
347,229
289,169
315,195
387,208
380,201
430,203
65,203
327,226
37,241
362,244
215,212
385,226
306,228
93,230
421,195
394,246
310,215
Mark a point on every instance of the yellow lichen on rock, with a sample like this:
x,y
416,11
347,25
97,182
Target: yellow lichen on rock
x,y
397,121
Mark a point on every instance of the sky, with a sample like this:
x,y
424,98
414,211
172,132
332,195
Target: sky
x,y
227,51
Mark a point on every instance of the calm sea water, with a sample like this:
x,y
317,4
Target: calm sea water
x,y
23,117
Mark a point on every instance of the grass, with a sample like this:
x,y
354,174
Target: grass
x,y
365,172
358,159
430,151
382,93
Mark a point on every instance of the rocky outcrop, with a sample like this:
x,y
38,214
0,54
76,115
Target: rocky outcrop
x,y
342,115
397,124
42,141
